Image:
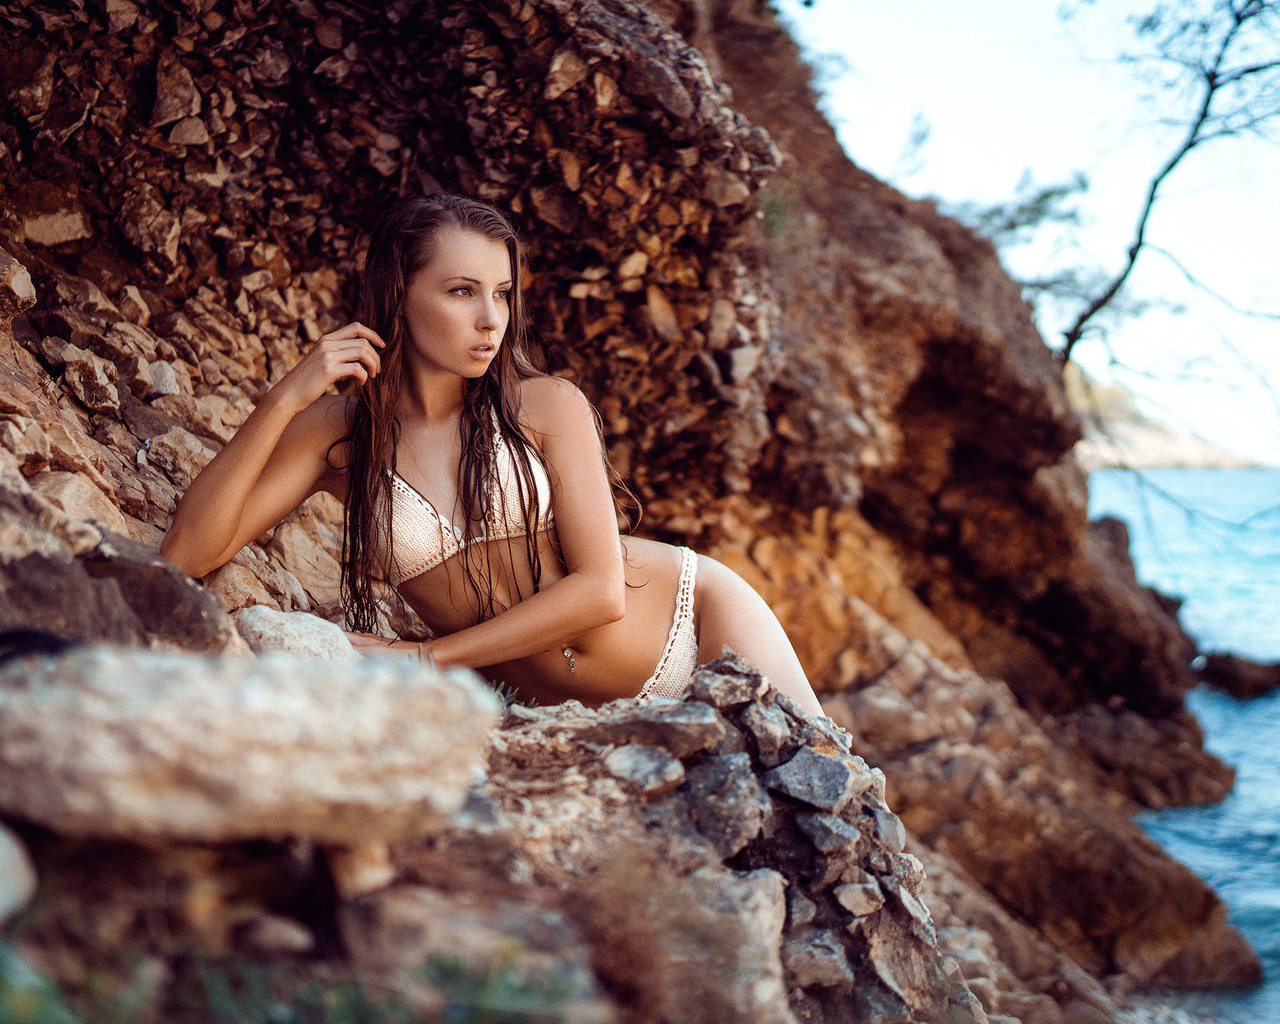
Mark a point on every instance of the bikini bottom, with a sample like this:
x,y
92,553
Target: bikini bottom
x,y
680,657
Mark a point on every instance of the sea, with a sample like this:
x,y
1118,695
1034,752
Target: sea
x,y
1211,537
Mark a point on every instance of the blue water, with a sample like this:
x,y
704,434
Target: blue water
x,y
1212,538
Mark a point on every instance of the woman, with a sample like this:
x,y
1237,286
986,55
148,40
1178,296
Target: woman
x,y
473,484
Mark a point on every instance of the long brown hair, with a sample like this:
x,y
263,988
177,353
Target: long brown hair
x,y
403,242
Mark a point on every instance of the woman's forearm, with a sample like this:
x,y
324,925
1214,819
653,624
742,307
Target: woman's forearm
x,y
550,618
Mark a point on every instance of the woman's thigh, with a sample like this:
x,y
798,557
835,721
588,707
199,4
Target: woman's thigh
x,y
729,613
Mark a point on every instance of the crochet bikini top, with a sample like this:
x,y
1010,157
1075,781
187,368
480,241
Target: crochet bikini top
x,y
423,538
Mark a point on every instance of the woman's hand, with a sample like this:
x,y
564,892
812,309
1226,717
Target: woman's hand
x,y
349,353
372,646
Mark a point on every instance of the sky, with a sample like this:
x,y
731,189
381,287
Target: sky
x,y
1008,87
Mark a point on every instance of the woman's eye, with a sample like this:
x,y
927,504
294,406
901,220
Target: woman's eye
x,y
502,295
462,290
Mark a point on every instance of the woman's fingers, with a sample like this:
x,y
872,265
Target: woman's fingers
x,y
348,347
344,357
348,353
357,330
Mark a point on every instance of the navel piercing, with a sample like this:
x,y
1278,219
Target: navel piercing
x,y
568,656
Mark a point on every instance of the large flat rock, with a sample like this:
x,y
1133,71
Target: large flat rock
x,y
142,745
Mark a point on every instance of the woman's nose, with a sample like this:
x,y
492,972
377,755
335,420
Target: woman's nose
x,y
488,319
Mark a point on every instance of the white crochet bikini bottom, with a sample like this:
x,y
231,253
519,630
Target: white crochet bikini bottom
x,y
680,657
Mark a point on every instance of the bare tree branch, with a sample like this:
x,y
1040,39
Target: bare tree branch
x,y
1213,78
1196,283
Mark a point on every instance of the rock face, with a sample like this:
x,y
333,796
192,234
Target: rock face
x,y
966,763
125,744
881,441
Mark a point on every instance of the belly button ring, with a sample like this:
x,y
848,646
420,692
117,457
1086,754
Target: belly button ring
x,y
568,655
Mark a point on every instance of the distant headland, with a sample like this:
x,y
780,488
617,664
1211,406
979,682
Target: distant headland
x,y
1118,436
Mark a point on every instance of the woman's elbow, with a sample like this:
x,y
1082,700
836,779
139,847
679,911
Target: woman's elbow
x,y
613,602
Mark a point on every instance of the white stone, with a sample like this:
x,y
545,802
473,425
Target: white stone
x,y
144,744
17,876
163,380
57,227
268,631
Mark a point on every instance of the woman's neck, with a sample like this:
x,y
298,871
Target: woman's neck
x,y
432,397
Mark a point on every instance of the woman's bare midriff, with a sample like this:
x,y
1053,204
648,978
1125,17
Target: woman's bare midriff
x,y
610,661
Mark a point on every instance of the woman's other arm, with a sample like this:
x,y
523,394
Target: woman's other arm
x,y
277,458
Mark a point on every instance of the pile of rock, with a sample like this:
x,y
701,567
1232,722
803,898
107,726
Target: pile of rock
x,y
724,858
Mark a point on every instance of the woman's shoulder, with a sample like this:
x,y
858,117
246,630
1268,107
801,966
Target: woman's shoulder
x,y
553,405
547,395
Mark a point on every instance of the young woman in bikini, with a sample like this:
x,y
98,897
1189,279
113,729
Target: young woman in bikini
x,y
474,485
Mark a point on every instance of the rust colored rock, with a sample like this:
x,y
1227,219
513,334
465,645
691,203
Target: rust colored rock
x,y
57,227
16,290
179,454
150,226
1239,677
91,379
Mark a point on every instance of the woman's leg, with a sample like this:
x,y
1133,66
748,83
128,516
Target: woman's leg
x,y
729,612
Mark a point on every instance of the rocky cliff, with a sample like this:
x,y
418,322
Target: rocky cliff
x,y
830,387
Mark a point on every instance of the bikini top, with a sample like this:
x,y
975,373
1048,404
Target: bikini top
x,y
423,538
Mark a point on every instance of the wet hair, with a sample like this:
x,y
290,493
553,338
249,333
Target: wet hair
x,y
404,241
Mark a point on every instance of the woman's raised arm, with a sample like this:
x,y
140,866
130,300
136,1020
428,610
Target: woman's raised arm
x,y
277,458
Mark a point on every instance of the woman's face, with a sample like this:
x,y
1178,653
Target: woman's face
x,y
456,307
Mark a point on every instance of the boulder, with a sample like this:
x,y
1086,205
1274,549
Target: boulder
x,y
268,630
148,745
697,897
1241,678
